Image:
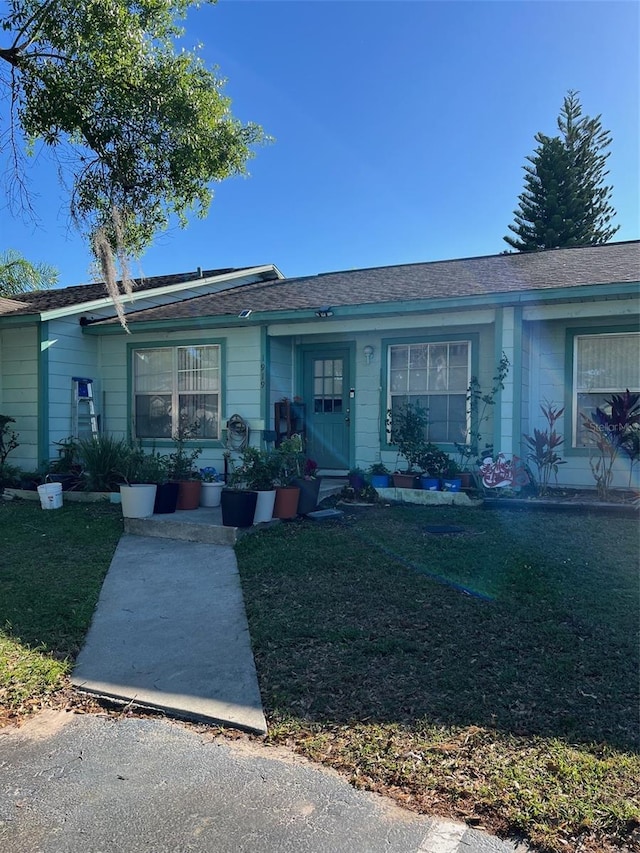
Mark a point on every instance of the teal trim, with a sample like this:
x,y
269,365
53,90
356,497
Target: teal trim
x,y
497,353
472,336
43,393
330,347
264,373
517,382
20,320
164,344
592,292
571,333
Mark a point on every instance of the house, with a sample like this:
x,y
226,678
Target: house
x,y
348,346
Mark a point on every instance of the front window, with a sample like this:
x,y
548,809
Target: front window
x,y
177,389
603,365
434,377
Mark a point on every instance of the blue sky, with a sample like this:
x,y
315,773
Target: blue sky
x,y
401,129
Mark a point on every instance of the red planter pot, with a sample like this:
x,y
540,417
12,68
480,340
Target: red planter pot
x,y
189,494
286,505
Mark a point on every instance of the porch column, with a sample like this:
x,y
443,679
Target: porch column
x,y
507,411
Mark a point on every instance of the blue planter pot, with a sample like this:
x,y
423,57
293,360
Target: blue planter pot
x,y
451,484
380,481
430,484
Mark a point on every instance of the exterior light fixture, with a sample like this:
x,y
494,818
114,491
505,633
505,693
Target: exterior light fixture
x,y
325,311
368,353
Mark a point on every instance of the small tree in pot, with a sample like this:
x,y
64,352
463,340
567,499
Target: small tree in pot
x,y
407,427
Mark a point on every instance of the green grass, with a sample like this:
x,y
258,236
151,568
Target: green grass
x,y
52,565
491,676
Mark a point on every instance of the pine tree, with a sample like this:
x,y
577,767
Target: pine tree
x,y
565,201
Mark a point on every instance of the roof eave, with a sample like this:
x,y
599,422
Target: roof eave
x,y
105,301
579,293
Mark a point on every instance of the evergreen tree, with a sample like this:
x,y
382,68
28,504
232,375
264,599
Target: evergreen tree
x,y
565,201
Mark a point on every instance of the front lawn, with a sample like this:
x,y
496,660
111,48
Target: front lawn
x,y
491,675
52,564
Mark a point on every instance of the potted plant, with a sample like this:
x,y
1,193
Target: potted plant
x,y
182,469
257,473
355,478
212,486
451,481
407,427
159,472
379,475
309,485
237,501
479,405
290,464
137,493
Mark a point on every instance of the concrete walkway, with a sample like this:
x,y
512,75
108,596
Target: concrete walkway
x,y
170,632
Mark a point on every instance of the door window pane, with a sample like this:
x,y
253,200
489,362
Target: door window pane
x,y
327,385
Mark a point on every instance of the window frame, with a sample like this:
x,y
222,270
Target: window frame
x,y
572,348
470,338
132,348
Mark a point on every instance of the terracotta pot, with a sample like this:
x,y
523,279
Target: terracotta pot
x,y
189,494
465,477
404,481
286,505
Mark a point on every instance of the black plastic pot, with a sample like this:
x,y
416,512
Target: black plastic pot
x,y
238,507
166,498
309,491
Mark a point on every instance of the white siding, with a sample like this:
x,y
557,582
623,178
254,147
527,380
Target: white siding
x,y
19,389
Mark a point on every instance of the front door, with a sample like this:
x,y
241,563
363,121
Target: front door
x,y
328,407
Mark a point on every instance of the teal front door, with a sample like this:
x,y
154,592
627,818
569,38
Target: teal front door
x,y
328,407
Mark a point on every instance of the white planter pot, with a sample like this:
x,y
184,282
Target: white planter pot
x,y
210,494
138,500
264,506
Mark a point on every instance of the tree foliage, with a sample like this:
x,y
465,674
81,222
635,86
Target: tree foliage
x,y
139,126
18,275
565,201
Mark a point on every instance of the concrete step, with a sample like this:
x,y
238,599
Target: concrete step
x,y
198,525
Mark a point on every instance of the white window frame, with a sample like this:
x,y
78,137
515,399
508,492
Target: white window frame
x,y
464,438
601,390
176,393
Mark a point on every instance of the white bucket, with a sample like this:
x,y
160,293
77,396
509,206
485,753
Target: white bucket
x,y
50,495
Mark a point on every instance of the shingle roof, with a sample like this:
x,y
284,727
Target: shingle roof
x,y
493,274
34,302
9,305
